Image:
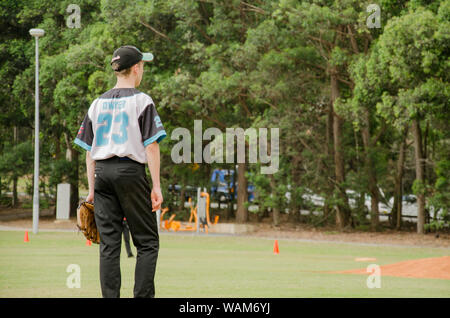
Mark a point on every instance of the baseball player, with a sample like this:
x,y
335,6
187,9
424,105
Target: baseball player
x,y
121,134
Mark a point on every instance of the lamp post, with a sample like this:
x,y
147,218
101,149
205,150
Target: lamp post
x,y
36,33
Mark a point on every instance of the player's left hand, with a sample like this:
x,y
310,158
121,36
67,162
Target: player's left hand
x,y
157,199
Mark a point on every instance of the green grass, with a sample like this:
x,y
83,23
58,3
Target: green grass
x,y
211,266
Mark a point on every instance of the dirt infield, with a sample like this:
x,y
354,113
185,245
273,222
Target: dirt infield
x,y
437,267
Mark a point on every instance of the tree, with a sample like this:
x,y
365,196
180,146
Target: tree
x,y
328,27
414,51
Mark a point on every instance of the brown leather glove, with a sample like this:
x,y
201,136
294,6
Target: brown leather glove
x,y
86,222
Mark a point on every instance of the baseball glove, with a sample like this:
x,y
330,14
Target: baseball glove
x,y
86,222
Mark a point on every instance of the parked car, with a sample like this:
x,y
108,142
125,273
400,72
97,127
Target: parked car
x,y
224,186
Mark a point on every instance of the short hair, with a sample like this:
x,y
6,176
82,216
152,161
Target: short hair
x,y
121,73
125,72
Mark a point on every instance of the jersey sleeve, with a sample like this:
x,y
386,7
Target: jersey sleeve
x,y
85,134
151,126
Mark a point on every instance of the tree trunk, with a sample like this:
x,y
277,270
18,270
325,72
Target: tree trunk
x,y
275,209
182,195
293,204
15,197
343,209
396,213
229,212
293,211
373,188
327,208
425,170
74,191
242,196
361,207
72,156
419,175
276,215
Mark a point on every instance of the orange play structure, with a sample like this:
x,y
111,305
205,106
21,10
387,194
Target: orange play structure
x,y
193,223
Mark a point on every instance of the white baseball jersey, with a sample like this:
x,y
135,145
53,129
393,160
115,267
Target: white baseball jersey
x,y
121,122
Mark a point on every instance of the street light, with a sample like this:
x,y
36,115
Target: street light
x,y
36,33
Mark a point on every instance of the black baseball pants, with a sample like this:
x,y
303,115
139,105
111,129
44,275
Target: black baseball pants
x,y
122,190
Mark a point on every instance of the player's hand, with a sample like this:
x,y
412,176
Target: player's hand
x,y
90,198
157,199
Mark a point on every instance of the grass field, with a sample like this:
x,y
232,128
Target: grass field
x,y
211,266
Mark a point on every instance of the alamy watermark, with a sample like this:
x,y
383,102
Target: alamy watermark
x,y
373,20
74,19
259,149
374,279
74,279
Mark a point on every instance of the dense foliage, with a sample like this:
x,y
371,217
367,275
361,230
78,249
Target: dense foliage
x,y
362,111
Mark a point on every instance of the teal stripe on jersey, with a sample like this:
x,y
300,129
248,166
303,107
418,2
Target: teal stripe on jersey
x,y
160,135
82,144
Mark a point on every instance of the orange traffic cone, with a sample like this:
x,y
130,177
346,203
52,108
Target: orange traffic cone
x,y
275,248
88,243
25,238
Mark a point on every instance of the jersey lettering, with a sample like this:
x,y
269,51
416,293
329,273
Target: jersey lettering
x,y
123,136
158,122
103,131
120,104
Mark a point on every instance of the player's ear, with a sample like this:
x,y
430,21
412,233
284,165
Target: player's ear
x,y
135,68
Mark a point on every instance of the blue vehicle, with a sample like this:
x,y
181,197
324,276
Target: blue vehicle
x,y
223,186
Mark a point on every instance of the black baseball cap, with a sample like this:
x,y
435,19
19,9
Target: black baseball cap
x,y
128,55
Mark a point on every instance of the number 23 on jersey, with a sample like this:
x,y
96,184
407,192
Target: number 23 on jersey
x,y
103,132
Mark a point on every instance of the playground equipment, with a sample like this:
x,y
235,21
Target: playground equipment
x,y
198,219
